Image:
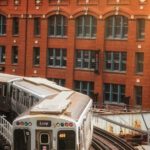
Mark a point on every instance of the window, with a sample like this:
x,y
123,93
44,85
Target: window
x,y
22,139
2,54
138,95
114,93
115,61
14,54
140,29
117,27
86,26
57,26
139,62
60,82
85,87
15,29
66,140
57,57
87,59
37,26
2,25
36,56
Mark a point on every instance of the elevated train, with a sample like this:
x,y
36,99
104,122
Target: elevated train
x,y
20,93
52,117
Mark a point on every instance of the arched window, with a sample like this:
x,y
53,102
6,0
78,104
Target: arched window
x,y
86,26
117,27
2,25
57,26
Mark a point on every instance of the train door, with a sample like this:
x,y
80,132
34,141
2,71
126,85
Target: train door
x,y
22,139
44,140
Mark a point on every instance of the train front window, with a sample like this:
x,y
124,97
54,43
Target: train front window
x,y
22,139
66,140
44,138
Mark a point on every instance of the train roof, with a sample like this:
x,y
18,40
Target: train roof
x,y
39,89
45,82
66,103
8,78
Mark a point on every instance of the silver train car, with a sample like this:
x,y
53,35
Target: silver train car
x,y
19,93
58,122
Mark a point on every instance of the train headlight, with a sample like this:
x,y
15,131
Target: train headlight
x,y
62,135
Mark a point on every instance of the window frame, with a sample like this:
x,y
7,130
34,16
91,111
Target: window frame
x,y
14,56
15,26
37,26
140,23
111,92
122,63
82,26
36,56
92,62
113,24
53,57
57,26
139,64
85,87
3,23
138,92
2,54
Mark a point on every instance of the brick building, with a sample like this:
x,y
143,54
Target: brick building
x,y
98,47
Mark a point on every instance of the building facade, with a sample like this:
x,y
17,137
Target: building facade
x,y
98,47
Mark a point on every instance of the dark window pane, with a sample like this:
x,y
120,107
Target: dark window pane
x,y
57,25
15,26
86,26
37,26
36,56
117,27
14,54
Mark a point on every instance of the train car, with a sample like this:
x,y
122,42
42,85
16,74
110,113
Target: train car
x,y
18,93
29,91
60,122
6,81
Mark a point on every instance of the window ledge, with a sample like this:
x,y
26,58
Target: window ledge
x,y
86,38
15,35
56,67
2,35
14,64
114,103
115,72
139,74
116,39
36,66
58,37
85,69
140,40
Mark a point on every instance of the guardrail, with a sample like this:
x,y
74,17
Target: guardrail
x,y
6,129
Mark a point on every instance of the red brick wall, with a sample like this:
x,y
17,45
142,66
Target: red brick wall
x,y
73,8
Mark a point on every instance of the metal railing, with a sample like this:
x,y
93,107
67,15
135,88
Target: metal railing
x,y
6,129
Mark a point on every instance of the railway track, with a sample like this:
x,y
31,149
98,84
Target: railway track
x,y
103,140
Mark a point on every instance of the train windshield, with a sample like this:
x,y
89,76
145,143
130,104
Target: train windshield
x,y
22,139
66,140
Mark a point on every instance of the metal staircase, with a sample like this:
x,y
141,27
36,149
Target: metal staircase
x,y
5,134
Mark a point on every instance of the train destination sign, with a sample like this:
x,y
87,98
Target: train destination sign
x,y
44,123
